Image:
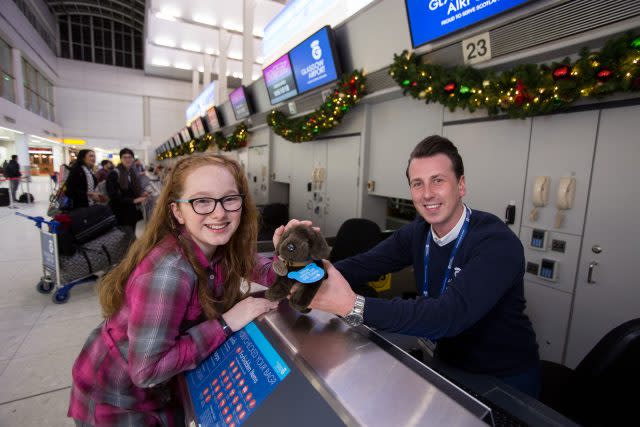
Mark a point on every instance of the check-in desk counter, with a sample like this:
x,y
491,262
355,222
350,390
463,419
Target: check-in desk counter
x,y
338,376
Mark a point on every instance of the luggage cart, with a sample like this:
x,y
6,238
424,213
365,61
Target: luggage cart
x,y
51,262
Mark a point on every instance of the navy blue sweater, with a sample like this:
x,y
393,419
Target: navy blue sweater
x,y
479,320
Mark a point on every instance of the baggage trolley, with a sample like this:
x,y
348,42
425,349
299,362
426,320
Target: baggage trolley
x,y
51,273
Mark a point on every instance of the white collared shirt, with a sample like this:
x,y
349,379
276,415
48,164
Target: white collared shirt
x,y
453,234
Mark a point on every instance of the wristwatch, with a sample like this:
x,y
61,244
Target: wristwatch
x,y
354,318
225,328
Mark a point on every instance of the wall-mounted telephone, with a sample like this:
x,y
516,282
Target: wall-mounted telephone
x,y
317,177
540,195
564,198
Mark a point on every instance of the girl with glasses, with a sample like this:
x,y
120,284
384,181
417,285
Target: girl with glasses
x,y
175,297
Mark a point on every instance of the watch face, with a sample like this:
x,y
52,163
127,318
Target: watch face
x,y
353,319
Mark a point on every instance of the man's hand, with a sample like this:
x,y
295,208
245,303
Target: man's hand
x,y
277,235
335,294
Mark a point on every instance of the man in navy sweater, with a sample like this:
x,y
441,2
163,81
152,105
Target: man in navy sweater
x,y
469,269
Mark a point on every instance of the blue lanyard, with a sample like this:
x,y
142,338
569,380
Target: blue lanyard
x,y
447,273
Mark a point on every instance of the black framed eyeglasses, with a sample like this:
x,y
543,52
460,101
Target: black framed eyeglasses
x,y
206,205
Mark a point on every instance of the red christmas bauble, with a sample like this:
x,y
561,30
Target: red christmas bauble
x,y
561,72
604,74
450,87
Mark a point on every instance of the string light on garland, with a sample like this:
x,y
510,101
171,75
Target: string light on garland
x,y
327,116
526,89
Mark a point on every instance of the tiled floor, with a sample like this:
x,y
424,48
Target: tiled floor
x,y
39,340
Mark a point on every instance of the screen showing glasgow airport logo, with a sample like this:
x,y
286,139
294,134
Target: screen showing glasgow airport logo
x,y
313,63
432,19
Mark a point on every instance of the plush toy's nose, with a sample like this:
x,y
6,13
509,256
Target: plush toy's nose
x,y
291,247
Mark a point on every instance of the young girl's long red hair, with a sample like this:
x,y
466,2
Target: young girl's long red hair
x,y
237,256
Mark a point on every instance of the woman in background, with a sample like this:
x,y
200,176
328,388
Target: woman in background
x,y
81,183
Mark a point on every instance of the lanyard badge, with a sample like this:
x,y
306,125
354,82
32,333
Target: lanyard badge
x,y
447,273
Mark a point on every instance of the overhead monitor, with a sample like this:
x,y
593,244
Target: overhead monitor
x,y
177,141
314,61
186,135
240,103
430,20
195,128
213,119
279,80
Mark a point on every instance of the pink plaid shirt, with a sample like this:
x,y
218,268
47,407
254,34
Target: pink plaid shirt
x,y
122,375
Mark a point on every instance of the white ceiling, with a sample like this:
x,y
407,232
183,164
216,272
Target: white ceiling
x,y
179,32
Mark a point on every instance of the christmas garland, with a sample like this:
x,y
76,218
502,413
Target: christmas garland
x,y
346,94
527,89
237,139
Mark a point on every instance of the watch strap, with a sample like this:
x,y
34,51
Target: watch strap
x,y
225,327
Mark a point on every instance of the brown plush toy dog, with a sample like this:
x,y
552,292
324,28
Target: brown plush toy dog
x,y
300,253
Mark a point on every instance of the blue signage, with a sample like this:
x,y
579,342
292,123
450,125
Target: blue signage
x,y
279,80
228,386
313,61
431,19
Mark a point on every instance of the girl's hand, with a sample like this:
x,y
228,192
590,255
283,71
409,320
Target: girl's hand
x,y
247,310
277,235
139,199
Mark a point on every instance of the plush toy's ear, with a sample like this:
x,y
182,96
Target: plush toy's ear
x,y
318,247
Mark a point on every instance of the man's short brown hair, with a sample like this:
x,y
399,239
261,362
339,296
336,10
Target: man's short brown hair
x,y
436,144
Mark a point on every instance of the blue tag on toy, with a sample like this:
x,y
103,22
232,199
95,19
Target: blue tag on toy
x,y
311,273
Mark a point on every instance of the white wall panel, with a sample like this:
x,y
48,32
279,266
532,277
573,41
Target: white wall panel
x,y
166,117
396,127
87,113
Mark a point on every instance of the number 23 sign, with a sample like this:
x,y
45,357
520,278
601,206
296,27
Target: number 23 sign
x,y
476,49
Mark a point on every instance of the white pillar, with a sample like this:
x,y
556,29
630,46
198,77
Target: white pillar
x,y
223,48
206,78
195,83
18,77
247,42
22,150
58,156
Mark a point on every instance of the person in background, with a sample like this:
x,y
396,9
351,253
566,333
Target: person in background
x,y
174,299
13,171
81,183
106,166
124,191
469,269
139,167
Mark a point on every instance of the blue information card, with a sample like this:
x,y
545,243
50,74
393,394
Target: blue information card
x,y
228,386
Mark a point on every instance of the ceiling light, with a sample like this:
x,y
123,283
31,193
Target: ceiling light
x,y
201,69
171,11
183,66
192,47
235,55
165,42
259,60
4,137
164,16
160,63
204,19
11,130
211,51
258,32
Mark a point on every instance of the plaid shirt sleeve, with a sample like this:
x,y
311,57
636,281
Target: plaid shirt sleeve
x,y
158,305
263,274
